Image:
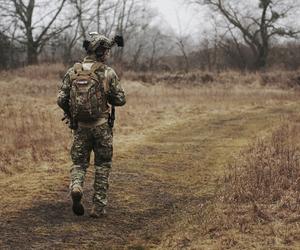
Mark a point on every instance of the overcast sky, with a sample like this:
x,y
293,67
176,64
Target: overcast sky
x,y
181,17
194,21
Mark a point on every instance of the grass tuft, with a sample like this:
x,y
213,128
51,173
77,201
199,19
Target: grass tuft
x,y
267,169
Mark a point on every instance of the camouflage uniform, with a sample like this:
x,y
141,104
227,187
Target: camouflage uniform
x,y
96,136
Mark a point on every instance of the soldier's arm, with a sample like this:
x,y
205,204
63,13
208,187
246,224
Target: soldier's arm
x,y
63,96
116,94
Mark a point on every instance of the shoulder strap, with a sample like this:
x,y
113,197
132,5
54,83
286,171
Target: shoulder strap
x,y
105,82
76,69
98,65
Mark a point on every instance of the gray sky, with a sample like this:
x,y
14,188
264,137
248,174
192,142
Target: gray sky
x,y
181,17
195,20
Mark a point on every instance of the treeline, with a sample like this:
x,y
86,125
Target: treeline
x,y
34,31
281,56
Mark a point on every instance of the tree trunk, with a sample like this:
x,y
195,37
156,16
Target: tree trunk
x,y
261,59
32,54
151,64
187,64
67,56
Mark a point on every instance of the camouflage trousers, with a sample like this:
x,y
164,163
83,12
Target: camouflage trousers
x,y
99,140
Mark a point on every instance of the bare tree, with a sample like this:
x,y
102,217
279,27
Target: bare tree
x,y
131,18
105,16
230,44
154,42
124,22
83,16
257,24
181,40
98,13
181,43
70,40
34,32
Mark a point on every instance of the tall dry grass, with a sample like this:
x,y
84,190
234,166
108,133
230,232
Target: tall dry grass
x,y
278,78
30,128
44,71
32,133
267,170
260,196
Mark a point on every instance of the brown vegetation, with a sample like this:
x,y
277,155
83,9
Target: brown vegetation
x,y
31,121
260,194
275,78
268,170
30,126
172,143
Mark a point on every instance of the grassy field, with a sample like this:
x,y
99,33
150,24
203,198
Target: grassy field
x,y
177,145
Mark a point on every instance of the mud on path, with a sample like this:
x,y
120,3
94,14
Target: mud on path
x,y
158,184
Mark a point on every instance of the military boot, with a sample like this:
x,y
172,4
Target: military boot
x,y
76,194
97,212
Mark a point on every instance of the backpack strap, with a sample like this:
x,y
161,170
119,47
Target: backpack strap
x,y
77,68
98,65
105,81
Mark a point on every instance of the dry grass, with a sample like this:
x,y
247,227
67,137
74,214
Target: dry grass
x,y
173,138
31,130
267,170
278,78
30,127
30,134
40,72
259,200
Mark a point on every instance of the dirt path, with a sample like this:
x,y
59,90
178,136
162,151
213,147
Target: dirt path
x,y
157,186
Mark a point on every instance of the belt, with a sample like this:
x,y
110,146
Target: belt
x,y
100,121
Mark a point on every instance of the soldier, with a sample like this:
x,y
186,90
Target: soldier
x,y
86,91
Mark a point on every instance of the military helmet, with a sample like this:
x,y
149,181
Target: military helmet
x,y
97,40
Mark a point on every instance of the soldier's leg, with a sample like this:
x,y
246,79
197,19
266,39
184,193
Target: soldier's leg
x,y
103,150
80,154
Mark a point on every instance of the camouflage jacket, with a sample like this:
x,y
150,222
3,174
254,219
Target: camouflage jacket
x,y
115,94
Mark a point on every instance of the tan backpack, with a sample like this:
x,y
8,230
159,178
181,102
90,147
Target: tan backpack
x,y
88,92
